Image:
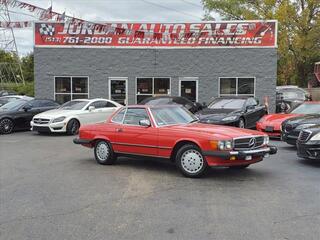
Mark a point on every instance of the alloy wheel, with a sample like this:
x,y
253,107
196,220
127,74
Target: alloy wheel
x,y
6,126
192,161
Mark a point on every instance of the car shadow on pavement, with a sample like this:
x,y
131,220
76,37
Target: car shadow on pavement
x,y
220,173
310,163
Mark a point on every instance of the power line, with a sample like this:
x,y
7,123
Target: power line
x,y
171,9
191,3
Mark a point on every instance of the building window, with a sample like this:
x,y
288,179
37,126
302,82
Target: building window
x,y
148,87
237,86
69,88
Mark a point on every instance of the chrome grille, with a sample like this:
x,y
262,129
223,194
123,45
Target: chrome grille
x,y
41,120
248,143
304,136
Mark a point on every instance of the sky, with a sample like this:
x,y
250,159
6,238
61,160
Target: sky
x,y
110,10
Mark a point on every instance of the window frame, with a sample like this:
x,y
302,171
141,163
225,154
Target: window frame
x,y
110,79
190,79
237,86
134,125
151,94
71,90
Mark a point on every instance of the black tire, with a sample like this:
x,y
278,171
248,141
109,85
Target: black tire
x,y
103,153
240,166
190,161
6,126
241,123
73,127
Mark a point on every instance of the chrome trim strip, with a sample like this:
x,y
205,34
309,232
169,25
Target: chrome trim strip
x,y
140,145
138,154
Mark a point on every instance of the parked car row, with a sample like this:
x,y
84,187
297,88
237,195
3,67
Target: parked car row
x,y
300,127
43,115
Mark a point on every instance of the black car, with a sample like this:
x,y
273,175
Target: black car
x,y
289,97
16,115
241,112
292,127
164,100
308,143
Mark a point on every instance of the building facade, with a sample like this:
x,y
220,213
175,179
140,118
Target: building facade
x,y
129,74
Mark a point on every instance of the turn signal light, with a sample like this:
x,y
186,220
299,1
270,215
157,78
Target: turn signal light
x,y
232,158
214,144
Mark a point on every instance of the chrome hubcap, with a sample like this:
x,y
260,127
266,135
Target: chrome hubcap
x,y
102,151
192,161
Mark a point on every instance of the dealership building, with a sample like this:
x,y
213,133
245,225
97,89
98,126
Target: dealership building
x,y
128,62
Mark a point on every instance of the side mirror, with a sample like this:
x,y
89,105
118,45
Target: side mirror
x,y
91,108
250,107
145,123
204,104
26,108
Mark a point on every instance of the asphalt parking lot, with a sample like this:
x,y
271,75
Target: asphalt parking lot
x,y
53,189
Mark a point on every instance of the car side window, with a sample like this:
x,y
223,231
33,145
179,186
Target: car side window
x,y
118,118
97,104
134,115
35,103
109,104
251,102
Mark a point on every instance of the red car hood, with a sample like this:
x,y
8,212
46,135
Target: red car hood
x,y
219,130
277,119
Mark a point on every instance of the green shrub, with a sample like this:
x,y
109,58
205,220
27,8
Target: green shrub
x,y
27,89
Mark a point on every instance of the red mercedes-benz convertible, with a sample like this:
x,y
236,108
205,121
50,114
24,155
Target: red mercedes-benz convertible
x,y
174,133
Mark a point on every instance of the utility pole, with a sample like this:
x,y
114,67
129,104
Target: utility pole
x,y
8,43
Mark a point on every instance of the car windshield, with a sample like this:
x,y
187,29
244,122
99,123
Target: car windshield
x,y
172,115
232,103
307,108
74,105
13,105
292,94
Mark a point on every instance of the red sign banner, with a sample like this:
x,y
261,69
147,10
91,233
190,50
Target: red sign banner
x,y
203,34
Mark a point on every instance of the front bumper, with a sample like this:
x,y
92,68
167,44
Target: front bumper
x,y
49,127
290,137
241,155
309,150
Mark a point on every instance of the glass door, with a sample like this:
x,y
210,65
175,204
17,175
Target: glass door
x,y
118,90
189,88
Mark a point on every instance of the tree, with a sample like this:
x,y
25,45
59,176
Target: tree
x,y
27,67
10,61
298,32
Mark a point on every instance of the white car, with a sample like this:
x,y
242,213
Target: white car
x,y
71,115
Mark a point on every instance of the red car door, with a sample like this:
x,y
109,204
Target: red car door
x,y
132,138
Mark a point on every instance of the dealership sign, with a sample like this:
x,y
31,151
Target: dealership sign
x,y
203,34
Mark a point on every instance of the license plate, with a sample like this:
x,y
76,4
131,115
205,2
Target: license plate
x,y
269,128
248,158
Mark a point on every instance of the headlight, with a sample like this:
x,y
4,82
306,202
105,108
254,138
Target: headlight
x,y
222,145
231,118
315,137
266,140
302,126
59,119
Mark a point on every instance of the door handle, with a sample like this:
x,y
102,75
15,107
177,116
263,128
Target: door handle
x,y
119,130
